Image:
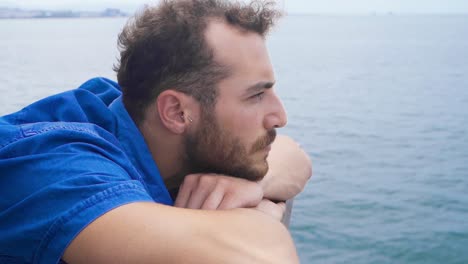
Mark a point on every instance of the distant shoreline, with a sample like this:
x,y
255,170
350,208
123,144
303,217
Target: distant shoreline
x,y
18,13
58,18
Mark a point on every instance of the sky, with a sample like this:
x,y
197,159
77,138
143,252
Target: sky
x,y
291,6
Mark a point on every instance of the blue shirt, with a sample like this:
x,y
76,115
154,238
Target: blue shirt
x,y
64,161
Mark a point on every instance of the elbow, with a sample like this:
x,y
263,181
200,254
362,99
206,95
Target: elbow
x,y
304,174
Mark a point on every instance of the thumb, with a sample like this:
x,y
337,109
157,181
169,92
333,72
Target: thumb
x,y
272,209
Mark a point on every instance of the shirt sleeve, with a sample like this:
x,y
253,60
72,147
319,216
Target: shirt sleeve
x,y
56,181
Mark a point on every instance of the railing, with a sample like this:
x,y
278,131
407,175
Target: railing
x,y
287,213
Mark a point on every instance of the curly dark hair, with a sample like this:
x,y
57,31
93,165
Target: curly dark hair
x,y
163,47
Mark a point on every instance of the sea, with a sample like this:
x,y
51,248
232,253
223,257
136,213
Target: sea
x,y
378,101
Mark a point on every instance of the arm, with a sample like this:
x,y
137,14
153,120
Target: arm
x,y
289,170
154,233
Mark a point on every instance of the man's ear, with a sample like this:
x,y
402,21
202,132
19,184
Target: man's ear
x,y
171,105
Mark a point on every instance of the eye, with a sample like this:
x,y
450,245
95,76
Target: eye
x,y
258,96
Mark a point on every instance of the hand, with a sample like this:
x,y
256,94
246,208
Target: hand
x,y
289,170
275,210
214,191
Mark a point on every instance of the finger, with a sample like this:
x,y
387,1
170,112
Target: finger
x,y
182,197
270,208
282,207
279,210
231,201
213,200
185,191
199,195
249,195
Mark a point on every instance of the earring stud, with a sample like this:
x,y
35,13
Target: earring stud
x,y
188,117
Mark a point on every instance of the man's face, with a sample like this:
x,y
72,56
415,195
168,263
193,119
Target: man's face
x,y
234,136
213,149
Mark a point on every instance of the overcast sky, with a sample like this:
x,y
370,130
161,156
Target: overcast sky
x,y
292,6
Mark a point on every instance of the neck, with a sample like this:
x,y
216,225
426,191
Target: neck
x,y
166,149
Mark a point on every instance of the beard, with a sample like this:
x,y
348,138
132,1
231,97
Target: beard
x,y
212,149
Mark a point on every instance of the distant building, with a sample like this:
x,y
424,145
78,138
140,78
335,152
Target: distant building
x,y
112,12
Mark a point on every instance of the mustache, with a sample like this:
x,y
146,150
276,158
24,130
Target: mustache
x,y
264,141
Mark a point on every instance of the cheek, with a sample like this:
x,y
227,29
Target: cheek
x,y
245,124
241,119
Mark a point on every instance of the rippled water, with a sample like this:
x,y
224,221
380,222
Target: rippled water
x,y
379,102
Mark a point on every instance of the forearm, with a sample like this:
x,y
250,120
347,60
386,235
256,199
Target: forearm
x,y
289,170
249,236
152,233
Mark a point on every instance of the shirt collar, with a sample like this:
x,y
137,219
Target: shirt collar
x,y
137,151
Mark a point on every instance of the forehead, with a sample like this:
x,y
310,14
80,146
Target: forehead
x,y
244,53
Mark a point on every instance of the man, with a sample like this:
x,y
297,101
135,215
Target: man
x,y
86,175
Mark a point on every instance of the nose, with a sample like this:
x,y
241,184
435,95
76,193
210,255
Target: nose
x,y
276,116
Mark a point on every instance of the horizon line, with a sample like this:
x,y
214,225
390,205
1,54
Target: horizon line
x,y
378,13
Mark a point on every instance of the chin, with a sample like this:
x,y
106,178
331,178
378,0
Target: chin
x,y
261,169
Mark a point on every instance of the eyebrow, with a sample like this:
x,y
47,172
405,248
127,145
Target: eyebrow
x,y
259,86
